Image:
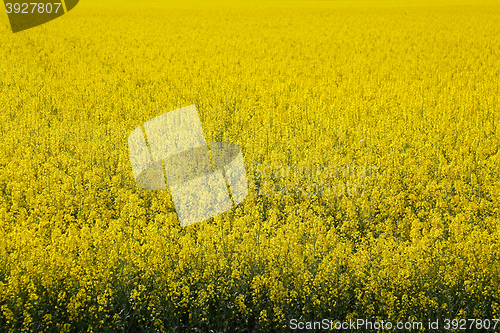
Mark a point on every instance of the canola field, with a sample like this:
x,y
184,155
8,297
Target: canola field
x,y
370,132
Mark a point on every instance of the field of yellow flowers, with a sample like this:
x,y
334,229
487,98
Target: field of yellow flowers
x,y
399,98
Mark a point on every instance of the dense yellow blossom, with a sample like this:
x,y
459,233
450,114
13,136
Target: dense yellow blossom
x,y
401,96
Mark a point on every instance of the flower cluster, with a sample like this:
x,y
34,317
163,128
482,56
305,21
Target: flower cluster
x,y
402,99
